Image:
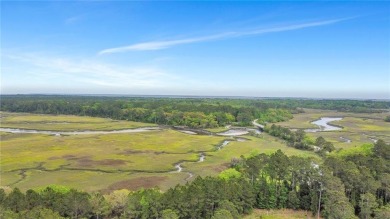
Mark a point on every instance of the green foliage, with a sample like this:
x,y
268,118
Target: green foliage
x,y
118,200
336,204
222,214
40,213
144,204
229,174
99,205
229,206
34,213
293,200
382,212
33,199
77,204
271,199
365,150
296,139
304,196
16,201
324,146
169,214
56,188
367,205
2,195
5,213
381,149
283,196
277,167
274,115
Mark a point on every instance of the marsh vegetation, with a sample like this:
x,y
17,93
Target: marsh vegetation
x,y
218,140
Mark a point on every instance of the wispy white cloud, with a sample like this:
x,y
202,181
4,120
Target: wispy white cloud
x,y
158,45
91,72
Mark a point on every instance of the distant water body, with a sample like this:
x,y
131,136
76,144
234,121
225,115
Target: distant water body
x,y
323,125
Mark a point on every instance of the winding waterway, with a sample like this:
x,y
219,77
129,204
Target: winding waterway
x,y
224,143
234,132
346,140
179,168
201,157
323,125
87,132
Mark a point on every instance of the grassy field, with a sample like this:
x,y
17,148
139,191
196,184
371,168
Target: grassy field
x,y
360,128
132,160
64,122
279,214
113,161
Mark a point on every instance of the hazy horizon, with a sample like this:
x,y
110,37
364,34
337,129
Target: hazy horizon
x,y
243,49
191,96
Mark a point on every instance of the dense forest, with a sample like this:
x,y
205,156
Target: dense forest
x,y
351,186
192,112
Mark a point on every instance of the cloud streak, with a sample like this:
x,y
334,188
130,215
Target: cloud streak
x,y
158,45
91,72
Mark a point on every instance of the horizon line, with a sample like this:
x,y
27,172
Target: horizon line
x,y
194,96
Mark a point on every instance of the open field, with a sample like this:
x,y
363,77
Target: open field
x,y
360,128
64,122
121,160
279,214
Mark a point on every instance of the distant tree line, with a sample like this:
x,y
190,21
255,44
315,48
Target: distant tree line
x,y
346,105
195,113
356,185
192,112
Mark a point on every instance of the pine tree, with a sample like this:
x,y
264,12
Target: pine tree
x,y
16,201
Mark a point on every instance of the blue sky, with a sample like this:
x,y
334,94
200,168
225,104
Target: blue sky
x,y
262,49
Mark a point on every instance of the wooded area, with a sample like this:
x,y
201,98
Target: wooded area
x,y
192,112
195,113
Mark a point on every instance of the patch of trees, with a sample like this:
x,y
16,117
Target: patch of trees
x,y
208,197
323,147
296,139
299,140
366,179
274,115
342,187
387,119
